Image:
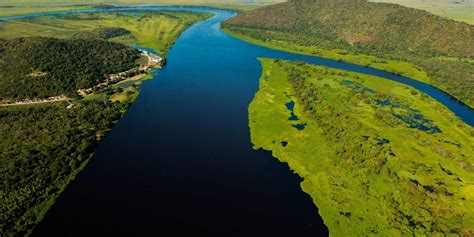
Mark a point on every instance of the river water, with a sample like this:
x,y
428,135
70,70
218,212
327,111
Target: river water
x,y
180,160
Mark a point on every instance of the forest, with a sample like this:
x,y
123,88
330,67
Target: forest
x,y
44,146
440,47
103,33
42,149
41,67
377,157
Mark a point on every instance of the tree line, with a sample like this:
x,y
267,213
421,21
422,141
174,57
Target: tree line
x,y
441,47
40,67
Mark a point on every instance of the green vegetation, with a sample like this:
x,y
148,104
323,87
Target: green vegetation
x,y
9,8
44,146
377,157
103,33
137,2
45,67
238,6
402,40
42,149
461,10
155,30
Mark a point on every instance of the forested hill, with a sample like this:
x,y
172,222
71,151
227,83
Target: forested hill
x,y
441,47
40,67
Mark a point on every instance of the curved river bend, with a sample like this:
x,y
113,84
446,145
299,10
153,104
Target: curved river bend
x,y
180,160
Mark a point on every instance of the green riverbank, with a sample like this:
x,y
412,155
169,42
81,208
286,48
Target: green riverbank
x,y
377,157
45,146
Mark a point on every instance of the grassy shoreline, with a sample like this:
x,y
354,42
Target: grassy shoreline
x,y
396,67
399,68
368,171
109,104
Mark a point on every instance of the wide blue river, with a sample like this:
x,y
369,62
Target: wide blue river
x,y
180,161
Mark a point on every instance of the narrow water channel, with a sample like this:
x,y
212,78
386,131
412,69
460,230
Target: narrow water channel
x,y
180,161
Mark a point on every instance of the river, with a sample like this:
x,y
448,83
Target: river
x,y
180,160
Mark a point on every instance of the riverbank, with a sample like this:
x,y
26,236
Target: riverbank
x,y
396,67
390,37
135,75
34,101
45,145
188,129
372,152
200,104
124,93
152,60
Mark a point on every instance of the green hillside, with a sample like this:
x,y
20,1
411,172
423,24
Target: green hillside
x,y
41,67
407,41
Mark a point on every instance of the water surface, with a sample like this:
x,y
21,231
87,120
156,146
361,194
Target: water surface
x,y
180,161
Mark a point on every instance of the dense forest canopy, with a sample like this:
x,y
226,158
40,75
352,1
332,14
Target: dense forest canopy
x,y
442,47
369,26
41,149
39,67
103,33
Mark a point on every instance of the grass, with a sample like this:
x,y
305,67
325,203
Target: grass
x,y
15,8
134,2
369,173
456,10
237,6
8,8
128,92
397,67
156,30
29,106
152,30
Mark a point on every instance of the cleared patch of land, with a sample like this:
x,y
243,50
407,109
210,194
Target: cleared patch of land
x,y
377,157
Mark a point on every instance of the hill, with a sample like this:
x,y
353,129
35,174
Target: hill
x,y
439,48
41,67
